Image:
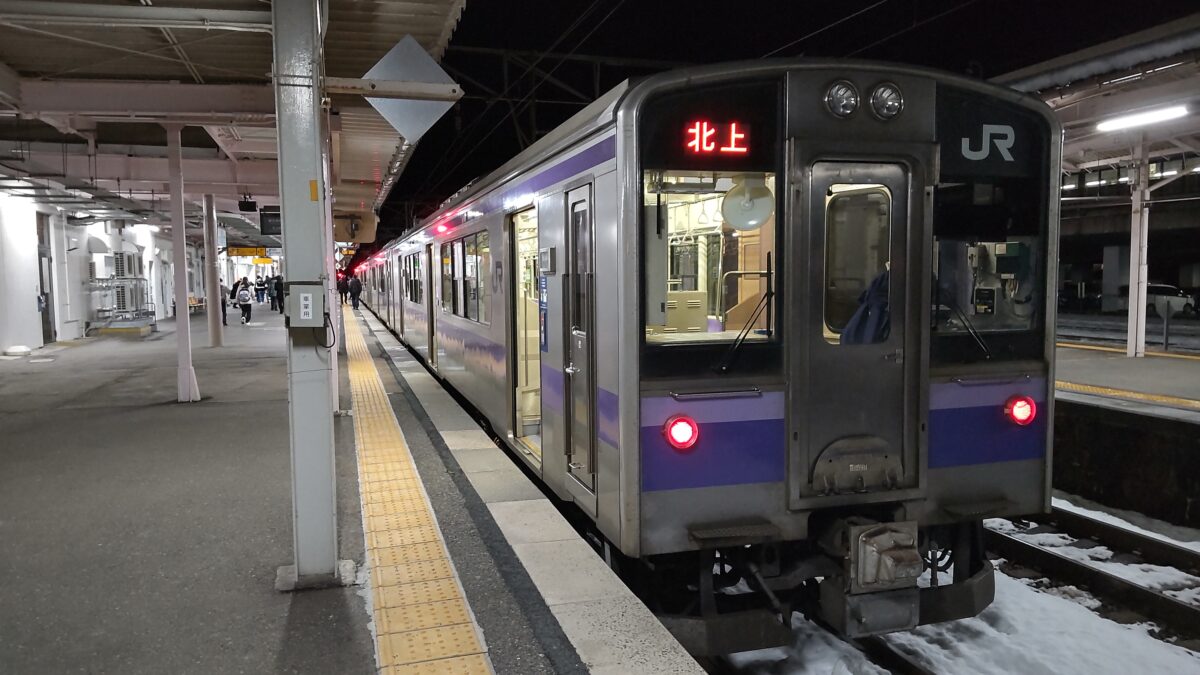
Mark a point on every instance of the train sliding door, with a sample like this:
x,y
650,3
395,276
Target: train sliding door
x,y
432,306
849,415
528,334
579,315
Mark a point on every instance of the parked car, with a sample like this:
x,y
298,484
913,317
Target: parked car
x,y
1079,296
1178,300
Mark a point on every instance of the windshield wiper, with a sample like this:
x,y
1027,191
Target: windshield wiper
x,y
987,353
763,305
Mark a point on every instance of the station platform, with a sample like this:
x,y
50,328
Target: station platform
x,y
1164,384
139,535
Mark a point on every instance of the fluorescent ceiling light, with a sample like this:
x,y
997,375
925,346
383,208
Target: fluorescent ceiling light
x,y
1092,183
1172,172
1069,186
1143,118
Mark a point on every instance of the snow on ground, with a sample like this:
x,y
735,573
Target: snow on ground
x,y
1150,527
1026,631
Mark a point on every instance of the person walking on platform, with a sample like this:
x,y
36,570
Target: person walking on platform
x,y
224,303
270,289
277,290
343,286
260,288
355,288
245,299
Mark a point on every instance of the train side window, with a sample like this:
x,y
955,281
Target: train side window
x,y
418,279
457,282
857,263
483,247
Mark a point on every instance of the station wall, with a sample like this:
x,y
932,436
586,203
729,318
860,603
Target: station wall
x,y
20,320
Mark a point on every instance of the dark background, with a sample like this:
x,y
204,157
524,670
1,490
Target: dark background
x,y
498,40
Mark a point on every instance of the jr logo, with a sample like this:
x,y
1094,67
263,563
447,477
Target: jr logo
x,y
1000,134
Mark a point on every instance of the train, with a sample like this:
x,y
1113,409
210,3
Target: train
x,y
779,332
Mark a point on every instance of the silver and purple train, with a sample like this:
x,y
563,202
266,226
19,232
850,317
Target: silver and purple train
x,y
780,330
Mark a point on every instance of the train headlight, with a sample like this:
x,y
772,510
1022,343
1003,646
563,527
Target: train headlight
x,y
887,101
1022,410
682,432
842,98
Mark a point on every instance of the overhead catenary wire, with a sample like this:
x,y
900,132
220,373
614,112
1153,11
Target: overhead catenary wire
x,y
461,137
818,31
525,102
918,24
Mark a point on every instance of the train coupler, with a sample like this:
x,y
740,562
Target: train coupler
x,y
876,590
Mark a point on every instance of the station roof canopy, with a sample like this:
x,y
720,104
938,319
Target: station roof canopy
x,y
1151,70
86,85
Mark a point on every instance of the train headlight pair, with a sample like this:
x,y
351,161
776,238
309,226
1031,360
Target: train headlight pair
x,y
842,100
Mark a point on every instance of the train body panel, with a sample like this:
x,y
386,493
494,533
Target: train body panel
x,y
729,319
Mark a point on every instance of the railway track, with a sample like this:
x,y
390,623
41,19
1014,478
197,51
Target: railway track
x,y
1168,607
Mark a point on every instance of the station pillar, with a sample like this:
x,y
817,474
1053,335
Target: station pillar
x,y
212,282
306,226
1139,243
187,388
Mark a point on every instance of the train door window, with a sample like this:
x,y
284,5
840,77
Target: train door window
x,y
483,284
527,331
449,296
470,278
857,255
457,248
418,277
581,310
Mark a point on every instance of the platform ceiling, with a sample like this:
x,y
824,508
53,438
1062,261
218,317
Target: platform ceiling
x,y
230,145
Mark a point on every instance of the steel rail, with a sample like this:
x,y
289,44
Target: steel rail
x,y
1149,549
1179,616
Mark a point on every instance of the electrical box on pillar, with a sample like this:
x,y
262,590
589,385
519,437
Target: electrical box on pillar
x,y
305,305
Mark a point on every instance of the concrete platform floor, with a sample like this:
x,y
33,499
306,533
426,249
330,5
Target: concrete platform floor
x,y
1171,381
139,535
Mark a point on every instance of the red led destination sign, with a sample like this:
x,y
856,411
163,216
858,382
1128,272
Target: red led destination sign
x,y
708,138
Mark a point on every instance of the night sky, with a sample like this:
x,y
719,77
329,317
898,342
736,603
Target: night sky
x,y
984,38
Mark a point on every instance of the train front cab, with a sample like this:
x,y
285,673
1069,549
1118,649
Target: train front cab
x,y
844,360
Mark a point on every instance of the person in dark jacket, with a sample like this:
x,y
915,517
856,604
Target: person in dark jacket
x,y
277,291
872,321
260,289
355,287
244,299
343,286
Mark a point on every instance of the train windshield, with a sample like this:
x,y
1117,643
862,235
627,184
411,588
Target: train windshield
x,y
714,240
989,233
710,163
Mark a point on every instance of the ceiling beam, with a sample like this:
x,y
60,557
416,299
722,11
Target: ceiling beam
x,y
92,14
105,97
250,174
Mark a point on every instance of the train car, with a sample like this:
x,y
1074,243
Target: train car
x,y
781,330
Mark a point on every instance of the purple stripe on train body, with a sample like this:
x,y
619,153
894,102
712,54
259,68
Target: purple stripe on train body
x,y
768,406
742,441
590,157
968,394
608,417
552,388
967,424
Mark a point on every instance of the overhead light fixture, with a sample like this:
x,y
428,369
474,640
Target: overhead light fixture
x,y
1143,118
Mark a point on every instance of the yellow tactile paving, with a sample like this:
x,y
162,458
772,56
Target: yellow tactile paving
x,y
1173,401
422,621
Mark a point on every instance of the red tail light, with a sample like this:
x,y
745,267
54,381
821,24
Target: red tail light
x,y
682,432
1021,410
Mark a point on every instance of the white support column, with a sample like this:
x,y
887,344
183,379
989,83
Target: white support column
x,y
188,389
310,366
1139,243
212,282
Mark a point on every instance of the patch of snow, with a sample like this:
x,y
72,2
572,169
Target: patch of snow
x,y
1027,630
1033,632
815,652
1156,529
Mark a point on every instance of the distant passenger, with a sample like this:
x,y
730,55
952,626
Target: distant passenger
x,y
277,290
224,302
343,286
260,288
244,299
355,287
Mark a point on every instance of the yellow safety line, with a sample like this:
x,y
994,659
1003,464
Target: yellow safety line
x,y
1125,393
422,621
1120,350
